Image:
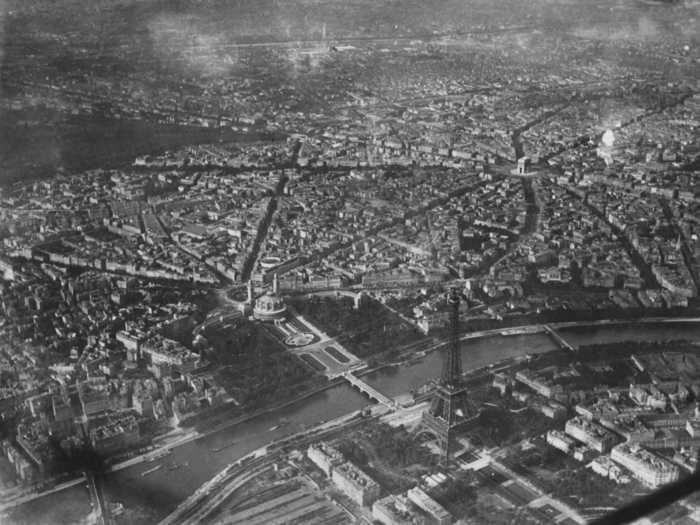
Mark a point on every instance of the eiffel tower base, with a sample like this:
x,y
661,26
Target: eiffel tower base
x,y
450,412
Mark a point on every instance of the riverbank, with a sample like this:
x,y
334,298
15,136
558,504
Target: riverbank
x,y
177,438
407,357
166,443
225,481
149,498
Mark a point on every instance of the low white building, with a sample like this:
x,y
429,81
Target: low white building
x,y
324,457
595,436
357,485
560,441
606,467
395,510
423,501
646,466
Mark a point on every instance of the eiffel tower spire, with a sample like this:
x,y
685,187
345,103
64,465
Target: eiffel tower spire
x,y
452,367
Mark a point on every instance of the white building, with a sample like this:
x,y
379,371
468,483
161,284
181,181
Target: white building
x,y
164,351
647,467
423,501
591,434
357,485
395,510
607,468
561,441
324,457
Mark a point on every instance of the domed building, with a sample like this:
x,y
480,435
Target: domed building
x,y
269,307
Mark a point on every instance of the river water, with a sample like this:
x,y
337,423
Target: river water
x,y
152,496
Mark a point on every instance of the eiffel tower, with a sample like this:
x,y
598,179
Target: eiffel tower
x,y
450,407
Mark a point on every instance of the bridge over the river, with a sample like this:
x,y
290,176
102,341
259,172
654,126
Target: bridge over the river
x,y
372,392
563,343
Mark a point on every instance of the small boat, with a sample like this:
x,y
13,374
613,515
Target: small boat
x,y
151,470
227,445
283,423
160,455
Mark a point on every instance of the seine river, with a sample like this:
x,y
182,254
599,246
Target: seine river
x,y
154,495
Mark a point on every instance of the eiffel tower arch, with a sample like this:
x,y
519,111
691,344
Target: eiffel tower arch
x,y
450,407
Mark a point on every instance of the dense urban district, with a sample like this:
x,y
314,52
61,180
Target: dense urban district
x,y
210,208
